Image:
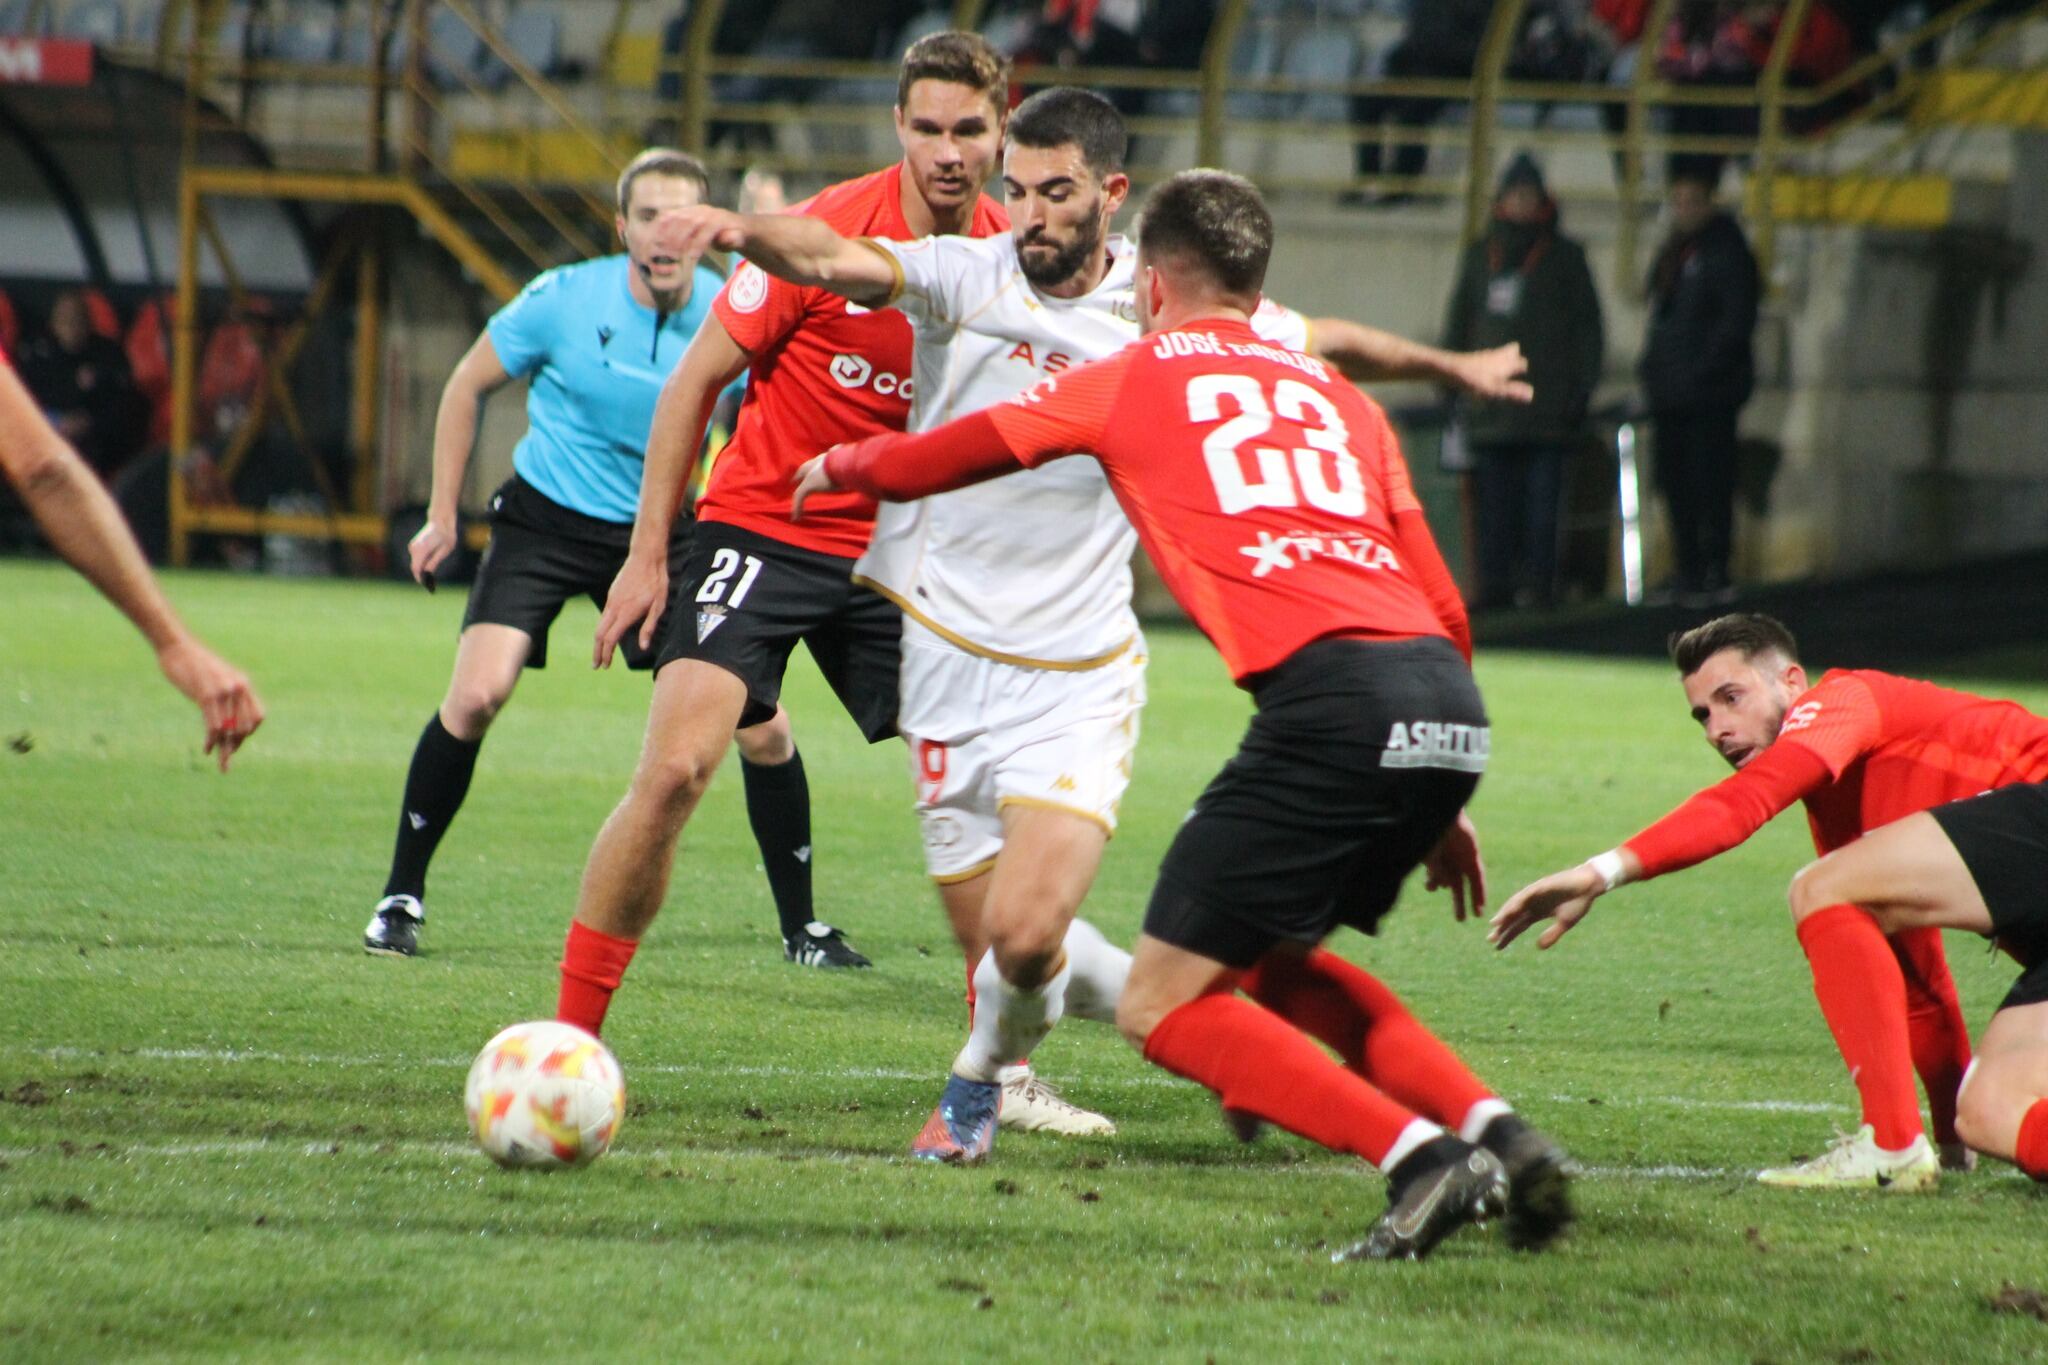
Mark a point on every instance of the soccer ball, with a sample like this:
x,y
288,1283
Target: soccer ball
x,y
545,1095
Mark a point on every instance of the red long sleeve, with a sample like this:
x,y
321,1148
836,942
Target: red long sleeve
x,y
901,468
1722,816
1426,562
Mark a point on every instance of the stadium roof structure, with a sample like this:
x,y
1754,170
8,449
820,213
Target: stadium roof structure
x,y
89,166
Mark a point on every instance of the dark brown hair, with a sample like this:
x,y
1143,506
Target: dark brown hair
x,y
1213,221
1750,632
663,161
1068,115
962,58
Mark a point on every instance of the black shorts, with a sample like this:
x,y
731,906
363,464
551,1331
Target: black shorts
x,y
1361,755
542,554
745,601
2003,839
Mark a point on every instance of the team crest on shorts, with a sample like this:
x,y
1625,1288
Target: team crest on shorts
x,y
709,619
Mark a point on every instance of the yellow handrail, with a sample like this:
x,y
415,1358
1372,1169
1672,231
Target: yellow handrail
x,y
1503,21
1215,76
1770,142
694,117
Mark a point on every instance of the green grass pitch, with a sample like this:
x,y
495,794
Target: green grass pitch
x,y
229,1133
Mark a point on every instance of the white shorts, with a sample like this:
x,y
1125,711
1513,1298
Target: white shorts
x,y
984,735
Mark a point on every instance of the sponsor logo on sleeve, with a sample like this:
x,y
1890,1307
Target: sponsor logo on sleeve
x,y
1800,717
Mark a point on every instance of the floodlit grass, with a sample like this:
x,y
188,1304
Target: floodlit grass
x,y
227,1132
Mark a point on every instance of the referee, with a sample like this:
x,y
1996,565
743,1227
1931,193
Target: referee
x,y
595,342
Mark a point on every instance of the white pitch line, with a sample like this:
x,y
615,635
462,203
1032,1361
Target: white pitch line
x,y
300,1149
235,1056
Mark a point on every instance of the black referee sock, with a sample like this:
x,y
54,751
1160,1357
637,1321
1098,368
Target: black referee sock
x,y
434,788
779,809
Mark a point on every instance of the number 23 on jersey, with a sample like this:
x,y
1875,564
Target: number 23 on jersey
x,y
1322,473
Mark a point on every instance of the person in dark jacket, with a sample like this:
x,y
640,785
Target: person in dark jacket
x,y
1697,371
83,383
1524,281
1442,43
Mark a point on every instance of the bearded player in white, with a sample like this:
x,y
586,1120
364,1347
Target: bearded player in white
x,y
1023,664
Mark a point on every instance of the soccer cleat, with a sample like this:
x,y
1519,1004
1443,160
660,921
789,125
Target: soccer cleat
x,y
1539,1182
1032,1106
1456,1185
818,944
962,1129
394,928
1956,1156
1856,1162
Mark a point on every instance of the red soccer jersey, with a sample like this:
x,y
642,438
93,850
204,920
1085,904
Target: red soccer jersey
x,y
1861,749
1270,493
824,371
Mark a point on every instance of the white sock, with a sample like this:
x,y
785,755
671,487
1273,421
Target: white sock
x,y
1414,1135
1478,1116
1008,1023
1099,968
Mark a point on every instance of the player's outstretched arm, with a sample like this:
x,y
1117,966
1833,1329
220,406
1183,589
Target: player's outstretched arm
x,y
85,527
1562,896
478,372
1367,355
639,592
790,246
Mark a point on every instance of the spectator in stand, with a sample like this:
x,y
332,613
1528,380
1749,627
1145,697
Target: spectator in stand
x,y
1697,371
1525,282
1074,33
1728,42
1442,43
81,380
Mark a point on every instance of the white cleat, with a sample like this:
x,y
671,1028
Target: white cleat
x,y
1032,1106
1856,1162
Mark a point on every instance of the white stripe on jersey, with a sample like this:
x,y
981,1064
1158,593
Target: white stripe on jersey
x,y
1032,568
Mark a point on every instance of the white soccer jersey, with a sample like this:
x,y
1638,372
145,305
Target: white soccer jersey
x,y
1033,568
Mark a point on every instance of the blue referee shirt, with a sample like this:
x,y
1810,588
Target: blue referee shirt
x,y
595,360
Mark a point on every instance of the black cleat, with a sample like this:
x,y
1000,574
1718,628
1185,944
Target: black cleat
x,y
394,929
820,945
1539,1182
1442,1186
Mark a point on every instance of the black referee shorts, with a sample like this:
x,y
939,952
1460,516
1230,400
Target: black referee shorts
x,y
1360,757
2003,839
745,601
542,554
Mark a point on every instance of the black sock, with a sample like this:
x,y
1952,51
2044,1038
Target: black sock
x,y
779,809
1431,1156
434,788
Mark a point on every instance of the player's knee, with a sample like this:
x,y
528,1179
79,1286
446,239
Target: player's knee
x,y
1978,1106
676,777
1810,891
471,707
1027,950
770,743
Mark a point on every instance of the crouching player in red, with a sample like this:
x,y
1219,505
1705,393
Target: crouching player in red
x,y
1273,498
1862,749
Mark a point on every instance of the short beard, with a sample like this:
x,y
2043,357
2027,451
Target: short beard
x,y
1067,261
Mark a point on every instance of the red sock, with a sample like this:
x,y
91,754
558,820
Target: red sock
x,y
1371,1029
593,963
1934,1023
2030,1152
1863,996
1258,1064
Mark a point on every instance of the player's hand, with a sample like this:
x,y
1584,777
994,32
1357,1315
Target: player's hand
x,y
1495,374
1455,863
810,478
690,232
228,703
431,544
638,597
1563,896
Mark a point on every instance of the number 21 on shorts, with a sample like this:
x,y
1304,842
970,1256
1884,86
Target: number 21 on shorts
x,y
724,564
